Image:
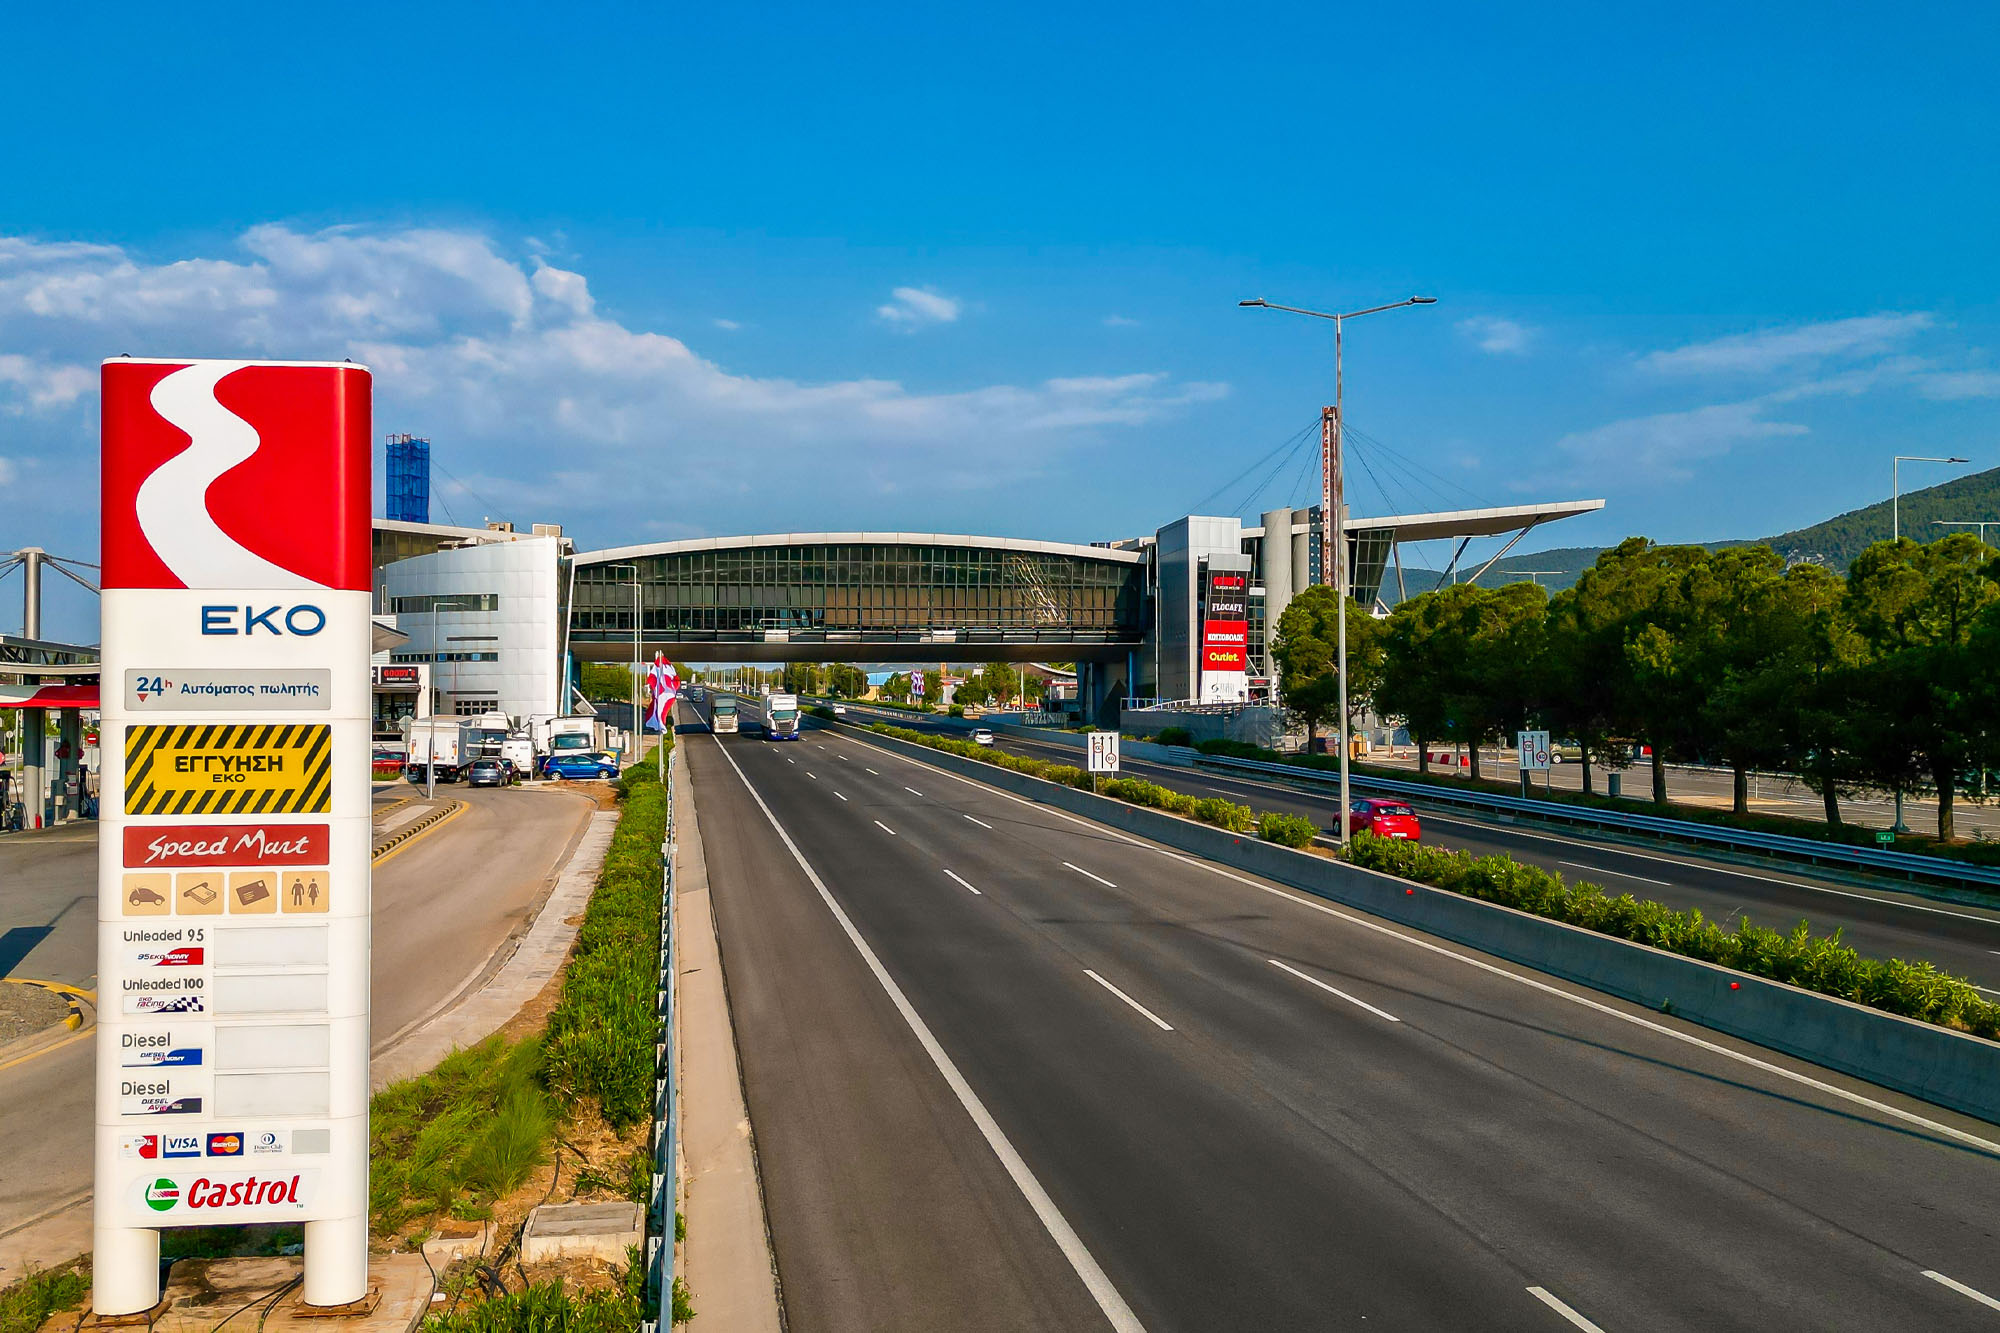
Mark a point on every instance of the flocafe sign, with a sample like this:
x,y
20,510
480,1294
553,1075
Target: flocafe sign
x,y
234,934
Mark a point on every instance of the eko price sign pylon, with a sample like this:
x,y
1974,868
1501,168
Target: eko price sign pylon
x,y
233,893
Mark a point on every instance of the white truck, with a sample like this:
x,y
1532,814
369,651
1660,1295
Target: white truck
x,y
781,717
552,735
438,742
519,751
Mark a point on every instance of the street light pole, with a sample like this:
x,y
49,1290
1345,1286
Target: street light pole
x,y
1333,506
638,728
1896,488
430,740
1980,523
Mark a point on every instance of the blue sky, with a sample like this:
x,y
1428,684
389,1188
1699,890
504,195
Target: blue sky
x,y
637,269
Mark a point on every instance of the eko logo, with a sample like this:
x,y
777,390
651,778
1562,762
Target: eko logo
x,y
236,474
301,621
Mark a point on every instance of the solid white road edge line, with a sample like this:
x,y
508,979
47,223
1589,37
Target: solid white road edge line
x,y
885,828
1080,1259
1154,1018
1546,1297
982,823
961,880
1963,1290
1855,1098
1099,878
1335,990
1598,870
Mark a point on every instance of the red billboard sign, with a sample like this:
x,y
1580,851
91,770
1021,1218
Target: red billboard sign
x,y
1225,622
191,845
225,474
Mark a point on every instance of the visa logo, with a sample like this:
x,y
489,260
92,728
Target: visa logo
x,y
180,1145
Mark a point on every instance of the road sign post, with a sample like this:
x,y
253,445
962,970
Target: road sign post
x,y
1103,754
1535,755
233,863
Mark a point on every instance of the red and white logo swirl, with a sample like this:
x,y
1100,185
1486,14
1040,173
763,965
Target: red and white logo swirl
x,y
236,474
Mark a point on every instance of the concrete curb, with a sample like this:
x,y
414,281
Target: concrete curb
x,y
1936,1064
409,831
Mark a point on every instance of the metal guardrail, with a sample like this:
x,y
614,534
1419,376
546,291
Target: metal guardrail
x,y
660,1210
1807,849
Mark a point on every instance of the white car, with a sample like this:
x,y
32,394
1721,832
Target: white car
x,y
840,710
982,737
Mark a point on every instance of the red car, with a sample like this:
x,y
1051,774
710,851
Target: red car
x,y
1383,818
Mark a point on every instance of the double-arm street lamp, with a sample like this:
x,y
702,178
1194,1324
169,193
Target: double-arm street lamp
x,y
1333,505
1981,523
1896,487
638,727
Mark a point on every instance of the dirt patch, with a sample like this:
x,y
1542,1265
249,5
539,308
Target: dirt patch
x,y
26,1009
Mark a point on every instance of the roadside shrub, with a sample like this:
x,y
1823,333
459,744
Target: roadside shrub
x,y
1819,963
1239,750
601,1033
956,710
1286,830
821,711
25,1305
1175,736
1224,814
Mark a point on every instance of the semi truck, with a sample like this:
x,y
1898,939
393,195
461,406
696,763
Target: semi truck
x,y
781,717
722,715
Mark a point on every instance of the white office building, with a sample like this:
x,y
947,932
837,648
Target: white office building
x,y
487,619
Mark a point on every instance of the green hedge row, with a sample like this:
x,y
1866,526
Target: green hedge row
x,y
1135,791
1813,962
601,1035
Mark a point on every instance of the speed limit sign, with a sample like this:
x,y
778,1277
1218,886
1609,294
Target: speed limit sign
x,y
1534,750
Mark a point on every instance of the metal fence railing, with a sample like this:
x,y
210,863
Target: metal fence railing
x,y
660,1210
1717,835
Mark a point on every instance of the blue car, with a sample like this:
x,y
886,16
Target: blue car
x,y
580,764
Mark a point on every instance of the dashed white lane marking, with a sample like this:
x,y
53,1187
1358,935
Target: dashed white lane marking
x,y
1099,878
871,770
814,776
1334,990
841,757
1543,1295
1556,992
1152,1017
1598,870
885,828
961,880
913,791
1963,1290
790,760
1080,1259
982,823
841,797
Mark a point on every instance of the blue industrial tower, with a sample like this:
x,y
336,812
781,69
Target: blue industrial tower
x,y
409,479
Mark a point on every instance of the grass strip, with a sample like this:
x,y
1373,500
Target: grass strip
x,y
600,1038
1799,958
26,1304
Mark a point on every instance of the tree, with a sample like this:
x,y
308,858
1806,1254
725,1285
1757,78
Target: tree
x,y
1918,609
897,687
1462,661
1307,654
847,681
605,680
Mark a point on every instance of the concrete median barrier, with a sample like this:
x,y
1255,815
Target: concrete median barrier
x,y
1948,1068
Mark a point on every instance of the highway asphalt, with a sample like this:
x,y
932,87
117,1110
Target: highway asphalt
x,y
1009,1069
443,905
1962,940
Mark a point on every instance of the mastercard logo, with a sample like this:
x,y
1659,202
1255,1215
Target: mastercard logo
x,y
225,1145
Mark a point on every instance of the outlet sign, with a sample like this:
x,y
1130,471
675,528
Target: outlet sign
x,y
233,901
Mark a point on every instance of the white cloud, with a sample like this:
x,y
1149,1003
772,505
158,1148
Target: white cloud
x,y
1667,446
726,325
1950,386
916,307
6,471
1800,345
1500,337
533,395
1120,322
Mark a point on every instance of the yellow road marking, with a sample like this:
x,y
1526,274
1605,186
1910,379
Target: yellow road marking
x,y
414,839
